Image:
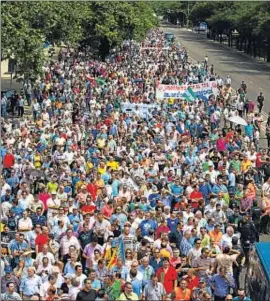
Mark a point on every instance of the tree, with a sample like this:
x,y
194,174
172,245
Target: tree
x,y
102,25
20,41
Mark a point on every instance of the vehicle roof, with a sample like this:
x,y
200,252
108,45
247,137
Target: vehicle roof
x,y
263,251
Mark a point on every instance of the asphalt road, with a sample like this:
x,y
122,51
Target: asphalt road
x,y
228,61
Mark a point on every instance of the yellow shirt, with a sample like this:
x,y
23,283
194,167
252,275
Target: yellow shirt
x,y
101,170
245,165
171,101
37,161
100,143
114,165
80,184
205,241
52,187
132,296
89,166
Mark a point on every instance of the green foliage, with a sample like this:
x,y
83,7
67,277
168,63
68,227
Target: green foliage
x,y
249,18
27,25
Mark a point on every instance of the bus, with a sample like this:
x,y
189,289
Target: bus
x,y
258,272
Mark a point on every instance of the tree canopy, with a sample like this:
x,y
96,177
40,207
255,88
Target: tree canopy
x,y
250,19
26,26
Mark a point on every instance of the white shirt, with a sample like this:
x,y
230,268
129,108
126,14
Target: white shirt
x,y
41,255
24,223
186,216
73,292
5,208
4,189
226,241
266,188
44,289
51,202
65,243
80,278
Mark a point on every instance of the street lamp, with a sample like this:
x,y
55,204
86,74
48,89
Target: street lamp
x,y
235,34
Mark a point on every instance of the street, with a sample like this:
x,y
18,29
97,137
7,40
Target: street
x,y
226,62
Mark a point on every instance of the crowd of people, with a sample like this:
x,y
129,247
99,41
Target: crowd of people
x,y
103,203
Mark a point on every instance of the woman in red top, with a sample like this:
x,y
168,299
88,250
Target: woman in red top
x,y
88,207
167,276
195,197
92,188
9,160
44,196
192,280
107,210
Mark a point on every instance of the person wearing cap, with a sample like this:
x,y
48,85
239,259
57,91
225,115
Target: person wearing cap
x,y
202,289
7,278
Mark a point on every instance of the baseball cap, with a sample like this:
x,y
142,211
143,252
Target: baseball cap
x,y
8,270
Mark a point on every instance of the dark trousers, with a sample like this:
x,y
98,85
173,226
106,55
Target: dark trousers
x,y
236,275
20,111
216,298
264,224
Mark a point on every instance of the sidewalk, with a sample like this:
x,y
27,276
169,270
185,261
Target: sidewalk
x,y
7,83
242,53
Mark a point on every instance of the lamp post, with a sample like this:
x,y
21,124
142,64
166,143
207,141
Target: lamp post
x,y
234,35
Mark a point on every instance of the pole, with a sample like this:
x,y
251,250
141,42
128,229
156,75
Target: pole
x,y
188,15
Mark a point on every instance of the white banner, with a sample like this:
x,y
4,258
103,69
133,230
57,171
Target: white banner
x,y
144,110
202,90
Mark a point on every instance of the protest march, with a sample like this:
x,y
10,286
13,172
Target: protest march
x,y
140,177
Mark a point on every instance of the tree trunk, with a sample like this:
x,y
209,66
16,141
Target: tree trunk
x,y
254,47
229,40
245,46
237,43
268,53
241,44
249,46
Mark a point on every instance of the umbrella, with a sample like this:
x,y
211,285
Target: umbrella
x,y
35,173
238,120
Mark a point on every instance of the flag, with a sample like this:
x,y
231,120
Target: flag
x,y
100,81
122,250
189,95
113,259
